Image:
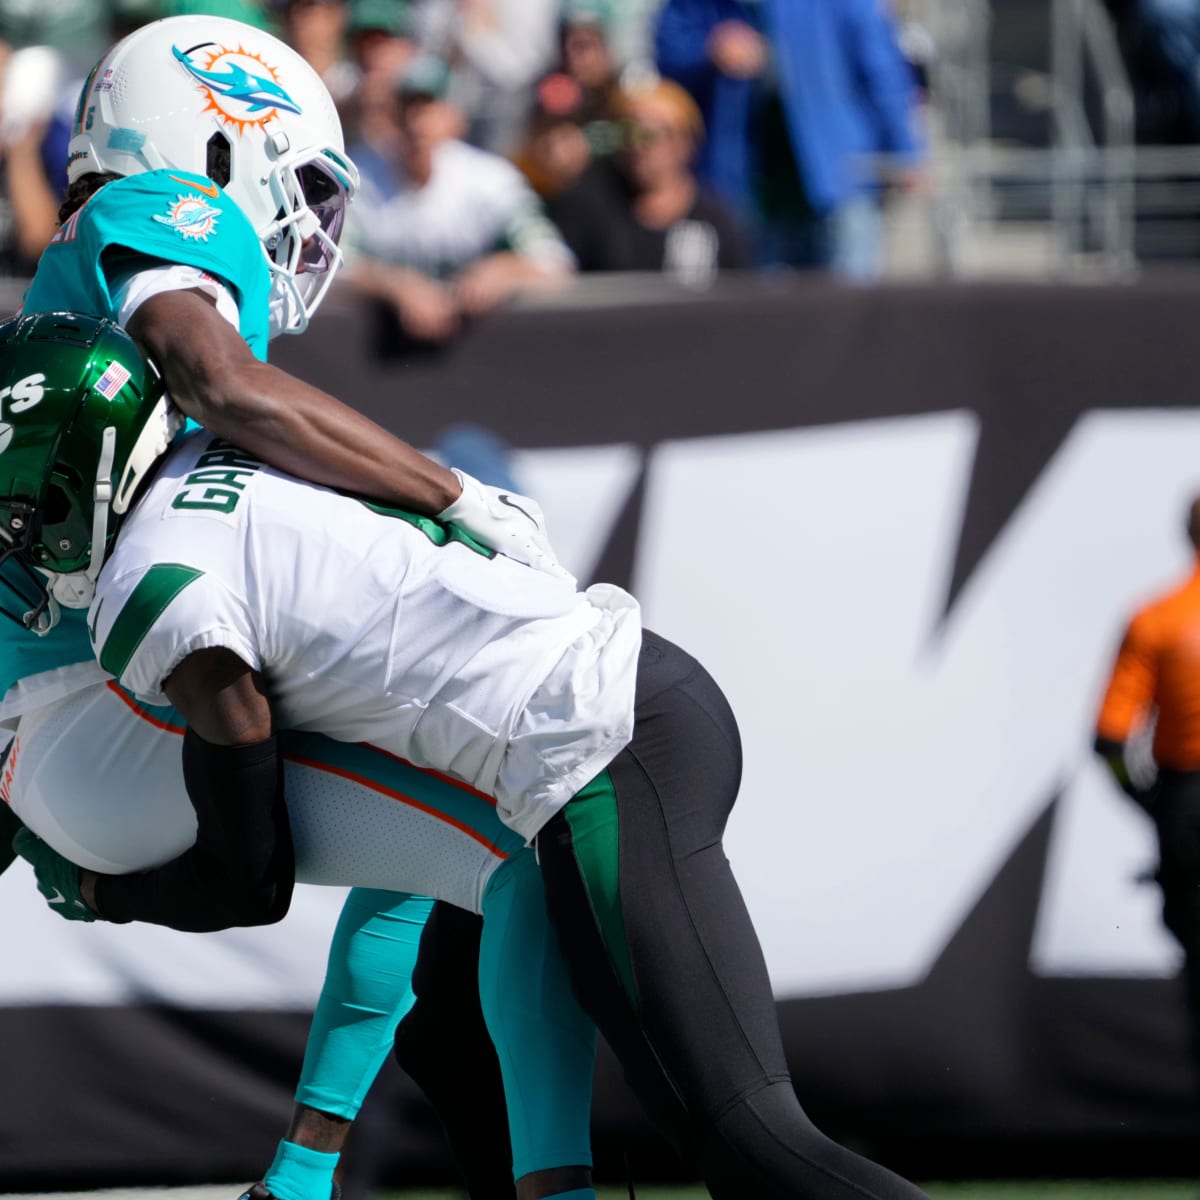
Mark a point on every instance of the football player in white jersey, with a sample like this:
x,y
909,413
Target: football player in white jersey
x,y
207,190
96,773
254,602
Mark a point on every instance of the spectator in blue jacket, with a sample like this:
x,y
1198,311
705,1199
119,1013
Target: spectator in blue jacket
x,y
800,98
1171,32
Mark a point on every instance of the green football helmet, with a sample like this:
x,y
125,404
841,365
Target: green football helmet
x,y
83,418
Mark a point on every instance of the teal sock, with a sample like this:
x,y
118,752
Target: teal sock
x,y
301,1174
577,1194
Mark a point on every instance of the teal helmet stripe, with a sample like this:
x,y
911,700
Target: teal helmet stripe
x,y
85,92
77,123
339,166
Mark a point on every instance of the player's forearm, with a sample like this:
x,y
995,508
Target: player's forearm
x,y
189,894
240,870
308,433
212,376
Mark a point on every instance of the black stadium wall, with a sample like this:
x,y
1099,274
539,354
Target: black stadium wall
x,y
903,527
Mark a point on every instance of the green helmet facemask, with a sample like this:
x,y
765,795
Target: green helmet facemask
x,y
83,418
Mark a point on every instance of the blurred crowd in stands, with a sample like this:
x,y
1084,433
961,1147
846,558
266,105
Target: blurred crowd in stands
x,y
505,144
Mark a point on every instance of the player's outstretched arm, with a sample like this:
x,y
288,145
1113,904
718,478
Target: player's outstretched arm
x,y
214,378
240,871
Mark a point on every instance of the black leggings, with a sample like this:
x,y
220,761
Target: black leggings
x,y
664,956
1176,810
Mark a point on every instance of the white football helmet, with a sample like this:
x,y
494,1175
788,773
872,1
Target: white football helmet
x,y
182,93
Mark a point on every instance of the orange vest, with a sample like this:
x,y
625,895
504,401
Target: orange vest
x,y
1158,672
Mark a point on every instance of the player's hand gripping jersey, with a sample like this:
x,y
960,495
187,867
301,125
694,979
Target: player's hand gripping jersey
x,y
372,626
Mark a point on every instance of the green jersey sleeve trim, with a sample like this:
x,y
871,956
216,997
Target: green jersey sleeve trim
x,y
149,599
440,533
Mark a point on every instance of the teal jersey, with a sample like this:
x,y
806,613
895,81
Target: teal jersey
x,y
23,653
166,217
158,217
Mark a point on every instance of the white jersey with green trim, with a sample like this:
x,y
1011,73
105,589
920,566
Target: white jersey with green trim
x,y
372,625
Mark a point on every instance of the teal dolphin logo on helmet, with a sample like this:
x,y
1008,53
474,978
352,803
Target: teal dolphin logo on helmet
x,y
249,83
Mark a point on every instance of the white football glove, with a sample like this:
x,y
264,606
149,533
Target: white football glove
x,y
507,522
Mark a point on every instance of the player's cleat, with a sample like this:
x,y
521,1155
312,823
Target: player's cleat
x,y
260,1191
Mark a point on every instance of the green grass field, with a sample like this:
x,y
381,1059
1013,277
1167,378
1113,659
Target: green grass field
x,y
1102,1189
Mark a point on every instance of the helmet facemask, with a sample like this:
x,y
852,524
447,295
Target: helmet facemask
x,y
301,244
25,595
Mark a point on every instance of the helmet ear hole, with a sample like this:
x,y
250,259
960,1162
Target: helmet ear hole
x,y
57,505
219,159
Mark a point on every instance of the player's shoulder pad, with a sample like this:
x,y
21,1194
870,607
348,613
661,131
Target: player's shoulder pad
x,y
143,623
128,606
153,186
164,208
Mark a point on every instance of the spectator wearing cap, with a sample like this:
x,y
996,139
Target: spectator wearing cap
x,y
587,57
800,97
642,209
382,37
443,230
383,42
575,116
557,150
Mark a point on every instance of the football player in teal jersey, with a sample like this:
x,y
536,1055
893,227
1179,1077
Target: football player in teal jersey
x,y
207,190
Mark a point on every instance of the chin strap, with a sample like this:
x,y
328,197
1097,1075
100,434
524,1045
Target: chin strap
x,y
102,496
288,313
77,589
48,617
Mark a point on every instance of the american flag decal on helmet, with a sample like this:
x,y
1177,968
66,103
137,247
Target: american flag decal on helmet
x,y
112,381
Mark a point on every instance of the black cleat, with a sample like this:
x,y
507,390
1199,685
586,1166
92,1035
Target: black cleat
x,y
260,1191
257,1191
